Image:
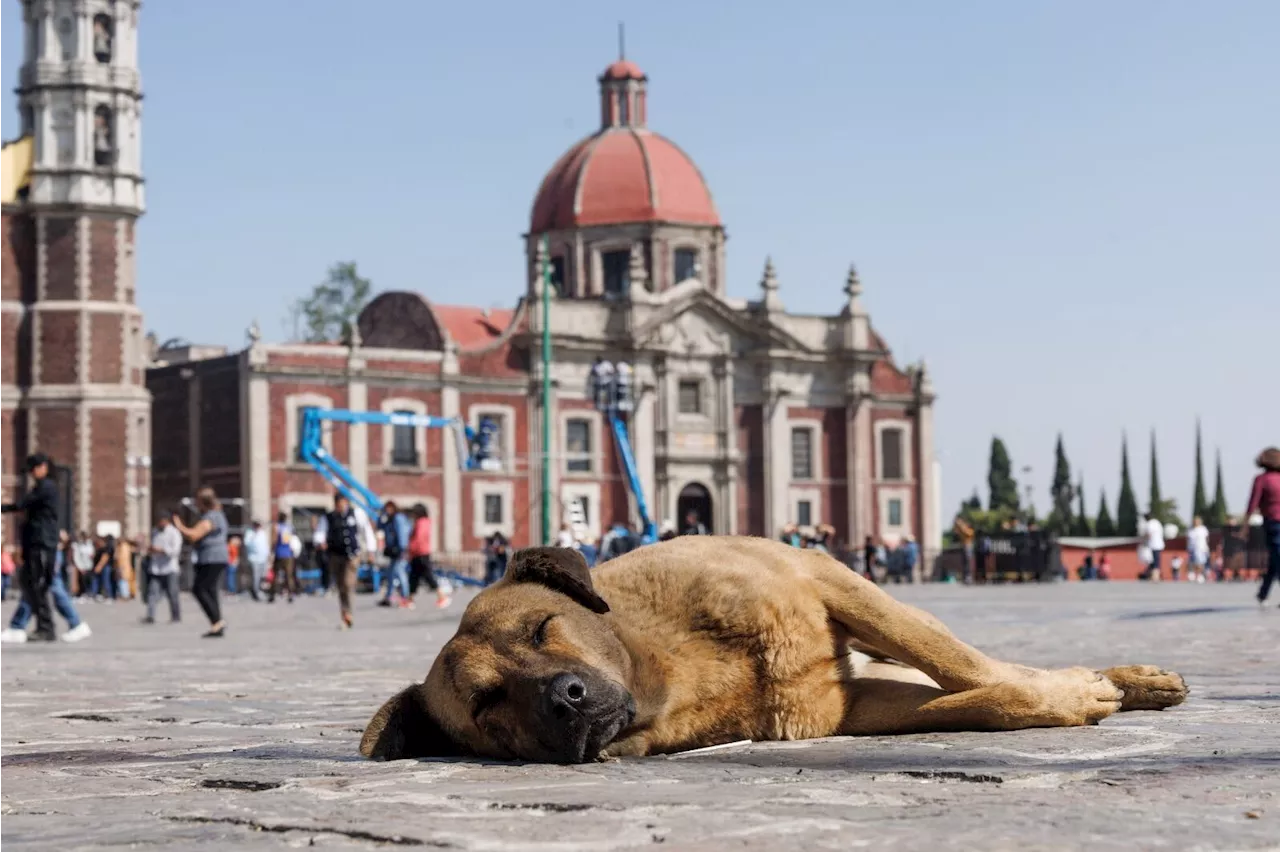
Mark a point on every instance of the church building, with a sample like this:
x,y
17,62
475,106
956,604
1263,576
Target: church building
x,y
749,415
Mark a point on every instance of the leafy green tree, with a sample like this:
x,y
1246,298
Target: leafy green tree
x,y
1127,505
331,310
1218,509
1104,526
1061,492
1080,524
1000,481
1199,505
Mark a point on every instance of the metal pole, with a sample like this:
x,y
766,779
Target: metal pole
x,y
545,272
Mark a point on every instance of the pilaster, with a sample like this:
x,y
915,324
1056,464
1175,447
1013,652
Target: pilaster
x,y
451,474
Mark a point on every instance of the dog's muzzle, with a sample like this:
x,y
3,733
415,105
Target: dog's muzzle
x,y
580,715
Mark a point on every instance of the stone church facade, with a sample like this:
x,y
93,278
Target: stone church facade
x,y
73,356
745,413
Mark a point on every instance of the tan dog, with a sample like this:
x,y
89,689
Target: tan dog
x,y
704,640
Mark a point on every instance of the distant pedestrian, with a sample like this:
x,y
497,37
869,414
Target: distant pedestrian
x,y
162,570
692,525
396,532
421,542
257,552
869,558
82,562
7,568
39,537
1264,499
1153,540
341,548
284,571
497,551
209,553
602,383
104,569
1197,550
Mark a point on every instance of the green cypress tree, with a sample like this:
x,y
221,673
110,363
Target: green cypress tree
x,y
1218,508
1080,524
1199,505
1104,526
1127,505
1000,481
1059,519
1154,500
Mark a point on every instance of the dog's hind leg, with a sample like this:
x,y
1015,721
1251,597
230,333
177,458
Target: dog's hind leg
x,y
887,628
884,701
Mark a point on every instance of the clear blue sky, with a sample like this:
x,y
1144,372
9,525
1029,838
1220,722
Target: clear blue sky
x,y
1072,210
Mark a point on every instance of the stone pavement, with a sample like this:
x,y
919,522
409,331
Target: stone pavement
x,y
150,736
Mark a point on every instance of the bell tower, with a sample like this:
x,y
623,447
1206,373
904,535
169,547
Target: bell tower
x,y
78,389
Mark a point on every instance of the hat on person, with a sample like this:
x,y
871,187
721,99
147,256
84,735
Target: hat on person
x,y
35,460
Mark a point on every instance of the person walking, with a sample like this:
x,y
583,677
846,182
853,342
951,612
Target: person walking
x,y
125,584
396,532
39,538
869,558
208,538
284,570
341,548
1153,540
1197,550
82,562
421,541
496,554
162,570
62,603
1264,499
104,567
8,566
257,552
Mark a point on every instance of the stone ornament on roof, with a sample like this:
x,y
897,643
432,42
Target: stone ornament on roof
x,y
770,299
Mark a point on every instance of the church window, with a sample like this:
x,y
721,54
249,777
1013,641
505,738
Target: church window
x,y
102,38
686,263
891,454
557,275
616,266
804,513
404,444
690,396
577,439
624,100
895,513
802,453
103,141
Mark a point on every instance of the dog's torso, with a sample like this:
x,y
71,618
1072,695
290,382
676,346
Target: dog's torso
x,y
744,644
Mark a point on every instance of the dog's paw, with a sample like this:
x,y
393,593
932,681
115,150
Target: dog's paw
x,y
1148,687
1060,698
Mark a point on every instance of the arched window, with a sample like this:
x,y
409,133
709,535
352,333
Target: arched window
x,y
102,37
104,148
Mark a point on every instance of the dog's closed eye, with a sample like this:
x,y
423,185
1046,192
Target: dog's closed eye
x,y
540,635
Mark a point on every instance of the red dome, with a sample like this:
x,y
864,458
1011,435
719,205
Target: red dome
x,y
623,69
622,175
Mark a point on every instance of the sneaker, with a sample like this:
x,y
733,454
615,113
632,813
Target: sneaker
x,y
77,633
384,602
406,604
13,634
146,619
443,602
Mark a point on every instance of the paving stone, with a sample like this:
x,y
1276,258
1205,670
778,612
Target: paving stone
x,y
151,737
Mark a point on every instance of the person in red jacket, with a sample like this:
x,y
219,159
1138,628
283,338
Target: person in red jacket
x,y
420,541
1264,499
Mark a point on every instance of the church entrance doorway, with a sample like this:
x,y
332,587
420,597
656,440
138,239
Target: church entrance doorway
x,y
694,498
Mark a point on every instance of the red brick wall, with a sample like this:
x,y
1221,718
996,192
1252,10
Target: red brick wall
x,y
751,486
106,348
17,258
102,259
56,433
13,449
60,258
109,432
59,347
614,501
11,350
829,448
287,474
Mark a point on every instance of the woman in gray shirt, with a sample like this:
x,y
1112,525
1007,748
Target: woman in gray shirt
x,y
209,553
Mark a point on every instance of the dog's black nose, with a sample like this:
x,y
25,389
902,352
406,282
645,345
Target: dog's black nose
x,y
565,694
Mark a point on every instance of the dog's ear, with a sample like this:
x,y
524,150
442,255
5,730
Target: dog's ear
x,y
560,568
403,727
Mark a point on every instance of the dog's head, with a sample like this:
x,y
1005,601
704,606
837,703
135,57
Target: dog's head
x,y
535,672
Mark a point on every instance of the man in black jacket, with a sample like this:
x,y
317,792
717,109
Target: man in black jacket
x,y
39,541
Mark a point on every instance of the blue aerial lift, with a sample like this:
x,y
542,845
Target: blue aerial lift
x,y
612,391
474,452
